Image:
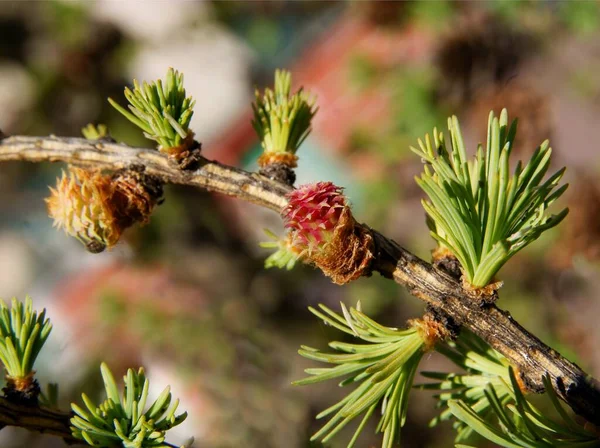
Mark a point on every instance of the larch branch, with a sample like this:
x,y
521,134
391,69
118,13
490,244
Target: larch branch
x,y
37,419
531,358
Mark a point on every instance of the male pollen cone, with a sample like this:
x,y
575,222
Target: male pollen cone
x,y
80,205
97,208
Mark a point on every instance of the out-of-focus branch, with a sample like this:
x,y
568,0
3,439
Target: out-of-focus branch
x,y
531,357
38,419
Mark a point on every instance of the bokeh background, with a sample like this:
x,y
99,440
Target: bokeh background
x,y
186,296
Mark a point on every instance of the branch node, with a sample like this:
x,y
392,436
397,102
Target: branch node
x,y
452,327
187,154
486,295
445,260
525,386
135,195
431,330
279,172
23,391
349,254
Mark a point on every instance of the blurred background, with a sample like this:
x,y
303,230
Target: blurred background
x,y
186,296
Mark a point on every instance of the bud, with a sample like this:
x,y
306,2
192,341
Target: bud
x,y
99,132
162,110
97,208
323,231
282,122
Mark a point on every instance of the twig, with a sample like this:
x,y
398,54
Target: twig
x,y
211,176
530,356
39,419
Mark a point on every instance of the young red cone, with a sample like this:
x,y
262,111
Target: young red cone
x,y
323,231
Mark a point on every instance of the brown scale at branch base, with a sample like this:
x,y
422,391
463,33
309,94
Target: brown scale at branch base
x,y
187,154
452,328
522,382
279,172
349,253
278,166
431,330
485,295
134,196
284,158
444,259
23,390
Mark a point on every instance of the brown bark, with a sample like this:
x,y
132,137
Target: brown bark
x,y
39,419
530,356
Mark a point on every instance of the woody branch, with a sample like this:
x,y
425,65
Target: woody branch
x,y
39,419
530,356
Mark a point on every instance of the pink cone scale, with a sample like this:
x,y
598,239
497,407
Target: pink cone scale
x,y
312,214
323,232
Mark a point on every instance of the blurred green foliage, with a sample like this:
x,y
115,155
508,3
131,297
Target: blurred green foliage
x,y
241,346
581,17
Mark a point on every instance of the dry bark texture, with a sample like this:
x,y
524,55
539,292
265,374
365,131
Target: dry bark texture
x,y
443,293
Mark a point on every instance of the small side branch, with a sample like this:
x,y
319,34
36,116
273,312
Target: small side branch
x,y
530,356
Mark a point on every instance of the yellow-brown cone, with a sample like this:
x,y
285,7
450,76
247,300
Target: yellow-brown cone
x,y
97,208
80,206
